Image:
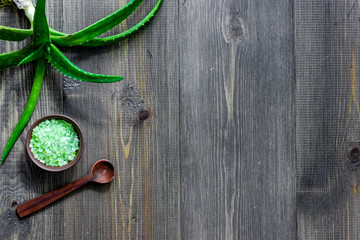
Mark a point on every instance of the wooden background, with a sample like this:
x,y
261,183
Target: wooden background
x,y
254,110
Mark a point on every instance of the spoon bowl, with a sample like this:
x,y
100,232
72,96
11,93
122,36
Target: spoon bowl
x,y
103,171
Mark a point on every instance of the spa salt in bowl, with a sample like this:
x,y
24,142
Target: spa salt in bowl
x,y
54,143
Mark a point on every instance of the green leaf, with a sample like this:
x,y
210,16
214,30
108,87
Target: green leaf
x,y
96,42
99,27
63,65
57,33
41,27
13,58
38,53
14,34
18,34
30,106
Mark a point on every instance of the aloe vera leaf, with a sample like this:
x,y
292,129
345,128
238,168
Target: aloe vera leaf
x,y
96,42
19,34
57,33
38,53
14,34
63,65
30,106
13,58
99,27
41,27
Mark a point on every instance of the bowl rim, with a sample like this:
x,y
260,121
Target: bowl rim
x,y
66,166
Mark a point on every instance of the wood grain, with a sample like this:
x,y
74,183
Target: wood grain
x,y
20,180
328,117
237,120
253,109
144,197
143,201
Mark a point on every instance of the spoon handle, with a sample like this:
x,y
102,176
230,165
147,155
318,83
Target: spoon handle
x,y
50,197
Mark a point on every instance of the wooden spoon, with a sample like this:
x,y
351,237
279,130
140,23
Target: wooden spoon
x,y
101,172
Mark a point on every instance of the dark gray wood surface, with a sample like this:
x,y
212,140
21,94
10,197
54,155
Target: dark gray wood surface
x,y
237,120
143,201
254,109
328,118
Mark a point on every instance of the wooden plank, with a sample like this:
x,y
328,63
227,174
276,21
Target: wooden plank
x,y
328,116
20,180
143,200
237,120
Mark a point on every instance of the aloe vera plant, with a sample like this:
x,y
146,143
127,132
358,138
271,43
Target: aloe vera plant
x,y
43,48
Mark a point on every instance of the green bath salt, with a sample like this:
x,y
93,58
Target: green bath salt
x,y
54,142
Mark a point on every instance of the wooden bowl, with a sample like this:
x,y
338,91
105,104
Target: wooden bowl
x,y
69,164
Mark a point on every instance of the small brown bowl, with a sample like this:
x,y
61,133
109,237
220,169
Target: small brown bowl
x,y
79,151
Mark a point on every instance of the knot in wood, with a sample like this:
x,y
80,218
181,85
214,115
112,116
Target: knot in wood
x,y
234,29
143,115
354,154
